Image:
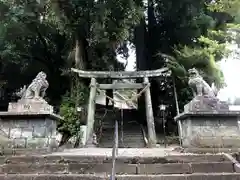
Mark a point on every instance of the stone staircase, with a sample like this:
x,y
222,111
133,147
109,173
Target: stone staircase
x,y
130,135
132,138
98,167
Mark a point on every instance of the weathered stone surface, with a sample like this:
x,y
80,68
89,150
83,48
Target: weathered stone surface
x,y
120,160
36,90
209,129
28,130
211,150
91,168
102,168
30,105
30,122
32,97
206,104
206,121
171,168
34,168
198,85
197,158
122,74
212,167
219,176
71,168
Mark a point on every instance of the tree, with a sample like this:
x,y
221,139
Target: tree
x,y
30,45
55,35
181,35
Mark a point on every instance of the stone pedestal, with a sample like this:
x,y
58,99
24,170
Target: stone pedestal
x,y
28,130
29,123
206,104
30,105
208,123
209,129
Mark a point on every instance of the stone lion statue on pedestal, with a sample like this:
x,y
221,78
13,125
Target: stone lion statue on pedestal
x,y
37,89
198,85
205,97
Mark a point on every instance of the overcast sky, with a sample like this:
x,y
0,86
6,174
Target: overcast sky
x,y
231,70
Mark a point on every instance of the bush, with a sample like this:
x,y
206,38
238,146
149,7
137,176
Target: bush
x,y
68,110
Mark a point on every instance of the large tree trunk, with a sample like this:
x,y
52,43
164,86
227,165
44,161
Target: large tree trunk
x,y
140,44
153,34
153,48
141,61
79,55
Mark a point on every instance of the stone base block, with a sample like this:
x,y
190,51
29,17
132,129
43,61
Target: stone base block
x,y
206,104
28,130
30,105
209,129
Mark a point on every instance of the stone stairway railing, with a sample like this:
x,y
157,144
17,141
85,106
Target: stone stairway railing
x,y
114,151
236,164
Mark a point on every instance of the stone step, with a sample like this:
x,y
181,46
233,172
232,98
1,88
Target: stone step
x,y
86,168
102,159
212,176
211,150
132,137
23,151
105,159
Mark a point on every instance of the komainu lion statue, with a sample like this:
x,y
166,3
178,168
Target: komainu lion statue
x,y
37,89
198,85
205,97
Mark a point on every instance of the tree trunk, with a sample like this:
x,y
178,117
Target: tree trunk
x,y
141,61
79,55
140,44
154,48
152,35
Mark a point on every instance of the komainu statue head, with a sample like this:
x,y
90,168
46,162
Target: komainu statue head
x,y
41,75
193,72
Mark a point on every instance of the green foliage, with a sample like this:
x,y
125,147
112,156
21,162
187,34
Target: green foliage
x,y
69,113
68,110
189,34
102,26
203,57
43,34
229,6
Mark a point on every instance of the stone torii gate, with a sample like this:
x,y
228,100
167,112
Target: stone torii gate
x,y
94,75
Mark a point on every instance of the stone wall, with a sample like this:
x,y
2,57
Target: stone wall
x,y
210,131
28,132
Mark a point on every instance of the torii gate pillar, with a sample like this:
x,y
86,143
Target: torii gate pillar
x,y
152,140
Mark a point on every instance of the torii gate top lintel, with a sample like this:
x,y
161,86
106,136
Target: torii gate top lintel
x,y
121,74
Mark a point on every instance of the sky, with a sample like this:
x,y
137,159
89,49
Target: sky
x,y
230,66
231,69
